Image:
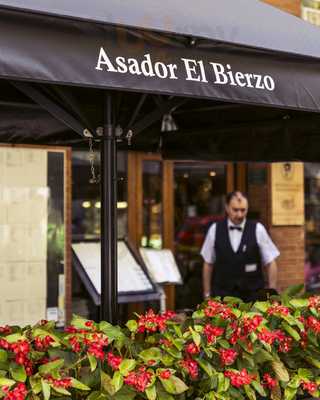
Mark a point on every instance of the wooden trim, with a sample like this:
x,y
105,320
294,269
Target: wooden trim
x,y
230,177
168,220
241,176
68,233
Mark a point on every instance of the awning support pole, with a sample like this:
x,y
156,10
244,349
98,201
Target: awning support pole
x,y
109,266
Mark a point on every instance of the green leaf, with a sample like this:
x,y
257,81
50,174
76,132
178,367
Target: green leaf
x,y
51,366
151,392
304,373
249,392
179,343
117,381
294,290
299,303
97,395
60,390
312,361
293,333
126,366
206,366
258,388
154,353
223,383
223,343
261,305
289,393
18,372
198,314
6,382
93,362
45,389
276,393
3,355
113,332
280,370
196,337
14,337
106,383
177,330
125,393
132,325
79,385
41,332
174,385
261,356
232,300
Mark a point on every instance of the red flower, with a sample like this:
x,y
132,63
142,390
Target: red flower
x,y
215,308
138,379
5,330
228,356
166,374
239,379
114,361
268,381
314,302
151,322
251,324
18,393
278,309
310,387
192,348
212,332
313,324
191,367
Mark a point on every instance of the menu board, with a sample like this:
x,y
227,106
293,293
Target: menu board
x,y
161,265
23,235
287,190
131,277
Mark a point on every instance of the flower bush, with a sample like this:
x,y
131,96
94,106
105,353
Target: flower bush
x,y
226,350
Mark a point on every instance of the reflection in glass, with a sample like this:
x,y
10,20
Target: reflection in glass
x,y
200,190
312,225
152,204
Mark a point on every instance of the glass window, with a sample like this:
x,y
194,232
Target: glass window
x,y
32,240
86,196
200,190
312,225
152,204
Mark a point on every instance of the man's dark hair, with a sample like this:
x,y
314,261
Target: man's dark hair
x,y
235,194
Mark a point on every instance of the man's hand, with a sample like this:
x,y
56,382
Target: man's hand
x,y
272,271
206,279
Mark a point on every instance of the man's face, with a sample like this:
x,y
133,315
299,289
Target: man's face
x,y
237,209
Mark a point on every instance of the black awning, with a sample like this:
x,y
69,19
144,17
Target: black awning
x,y
244,61
248,23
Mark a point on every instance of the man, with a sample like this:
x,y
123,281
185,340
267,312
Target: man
x,y
236,251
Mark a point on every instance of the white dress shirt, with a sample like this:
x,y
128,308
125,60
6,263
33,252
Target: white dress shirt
x,y
268,250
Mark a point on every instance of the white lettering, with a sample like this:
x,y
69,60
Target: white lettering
x,y
104,59
191,70
238,77
230,74
146,66
121,63
134,66
219,72
161,70
269,83
172,68
248,77
202,72
258,81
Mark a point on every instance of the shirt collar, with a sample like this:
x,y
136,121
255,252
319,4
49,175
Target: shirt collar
x,y
240,225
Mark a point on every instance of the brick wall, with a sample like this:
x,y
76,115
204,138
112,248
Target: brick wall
x,y
290,240
291,6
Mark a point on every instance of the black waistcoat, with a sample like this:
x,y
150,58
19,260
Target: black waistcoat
x,y
230,275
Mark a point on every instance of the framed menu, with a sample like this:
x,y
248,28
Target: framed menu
x,y
287,192
161,265
132,278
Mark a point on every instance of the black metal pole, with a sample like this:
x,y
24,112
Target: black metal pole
x,y
109,266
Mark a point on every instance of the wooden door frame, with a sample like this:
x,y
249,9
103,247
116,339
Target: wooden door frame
x,y
135,199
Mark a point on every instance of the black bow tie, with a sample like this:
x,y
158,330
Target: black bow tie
x,y
238,228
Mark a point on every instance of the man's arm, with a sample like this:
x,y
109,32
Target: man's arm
x,y
206,279
272,272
